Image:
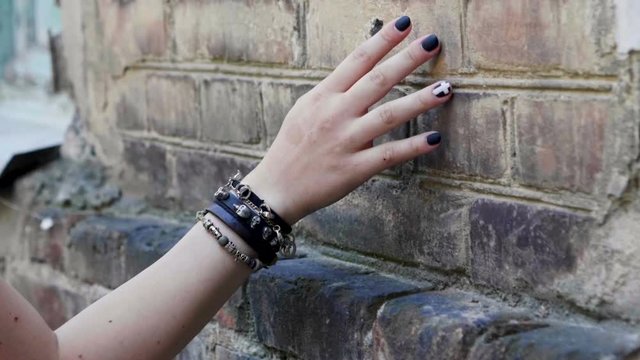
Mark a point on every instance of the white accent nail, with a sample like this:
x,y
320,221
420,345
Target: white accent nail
x,y
443,89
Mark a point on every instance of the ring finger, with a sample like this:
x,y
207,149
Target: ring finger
x,y
388,116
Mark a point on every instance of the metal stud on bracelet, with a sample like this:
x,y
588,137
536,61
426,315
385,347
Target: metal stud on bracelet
x,y
253,209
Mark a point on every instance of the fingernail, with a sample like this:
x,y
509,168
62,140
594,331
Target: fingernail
x,y
430,43
403,23
434,138
443,89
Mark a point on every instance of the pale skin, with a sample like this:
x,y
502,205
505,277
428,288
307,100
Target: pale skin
x,y
322,152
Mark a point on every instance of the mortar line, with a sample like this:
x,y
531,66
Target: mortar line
x,y
479,81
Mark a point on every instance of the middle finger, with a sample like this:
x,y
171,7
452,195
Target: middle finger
x,y
379,81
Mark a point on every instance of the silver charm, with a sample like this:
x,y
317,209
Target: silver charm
x,y
288,248
255,221
266,211
221,194
244,191
243,211
237,176
266,232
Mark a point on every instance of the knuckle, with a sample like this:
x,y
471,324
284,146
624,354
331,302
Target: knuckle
x,y
361,55
386,36
388,155
410,53
386,117
417,146
377,78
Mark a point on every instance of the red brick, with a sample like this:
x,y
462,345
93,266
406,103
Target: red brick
x,y
473,136
234,314
570,35
173,105
48,245
335,28
55,303
131,31
560,143
259,30
231,110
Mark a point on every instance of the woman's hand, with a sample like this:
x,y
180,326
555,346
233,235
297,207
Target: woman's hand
x,y
324,148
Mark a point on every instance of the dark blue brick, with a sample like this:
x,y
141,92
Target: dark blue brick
x,y
319,309
519,246
440,325
560,342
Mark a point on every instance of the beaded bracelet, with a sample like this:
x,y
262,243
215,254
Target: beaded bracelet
x,y
253,264
222,211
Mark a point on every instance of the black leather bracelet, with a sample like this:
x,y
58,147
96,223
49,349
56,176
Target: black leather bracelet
x,y
228,215
285,228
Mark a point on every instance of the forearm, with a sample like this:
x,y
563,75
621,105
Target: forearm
x,y
155,314
24,334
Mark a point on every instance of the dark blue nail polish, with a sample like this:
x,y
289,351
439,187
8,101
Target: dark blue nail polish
x,y
430,43
403,23
434,138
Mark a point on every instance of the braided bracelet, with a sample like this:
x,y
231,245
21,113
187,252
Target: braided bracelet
x,y
253,264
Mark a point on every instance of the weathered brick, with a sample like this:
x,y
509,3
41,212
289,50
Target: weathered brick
x,y
529,35
199,348
473,136
560,342
231,111
146,170
262,30
516,245
55,303
148,241
131,106
199,174
173,105
131,31
397,221
109,250
335,28
278,99
48,245
344,300
560,143
440,325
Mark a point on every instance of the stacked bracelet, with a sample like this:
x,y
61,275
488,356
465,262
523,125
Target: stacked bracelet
x,y
248,215
253,264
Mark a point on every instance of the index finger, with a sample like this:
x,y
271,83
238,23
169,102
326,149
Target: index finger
x,y
367,55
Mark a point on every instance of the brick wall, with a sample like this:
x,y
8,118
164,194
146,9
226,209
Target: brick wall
x,y
524,220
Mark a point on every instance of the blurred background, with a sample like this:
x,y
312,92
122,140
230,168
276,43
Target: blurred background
x,y
35,108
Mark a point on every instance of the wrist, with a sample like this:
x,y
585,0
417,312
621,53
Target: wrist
x,y
274,195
